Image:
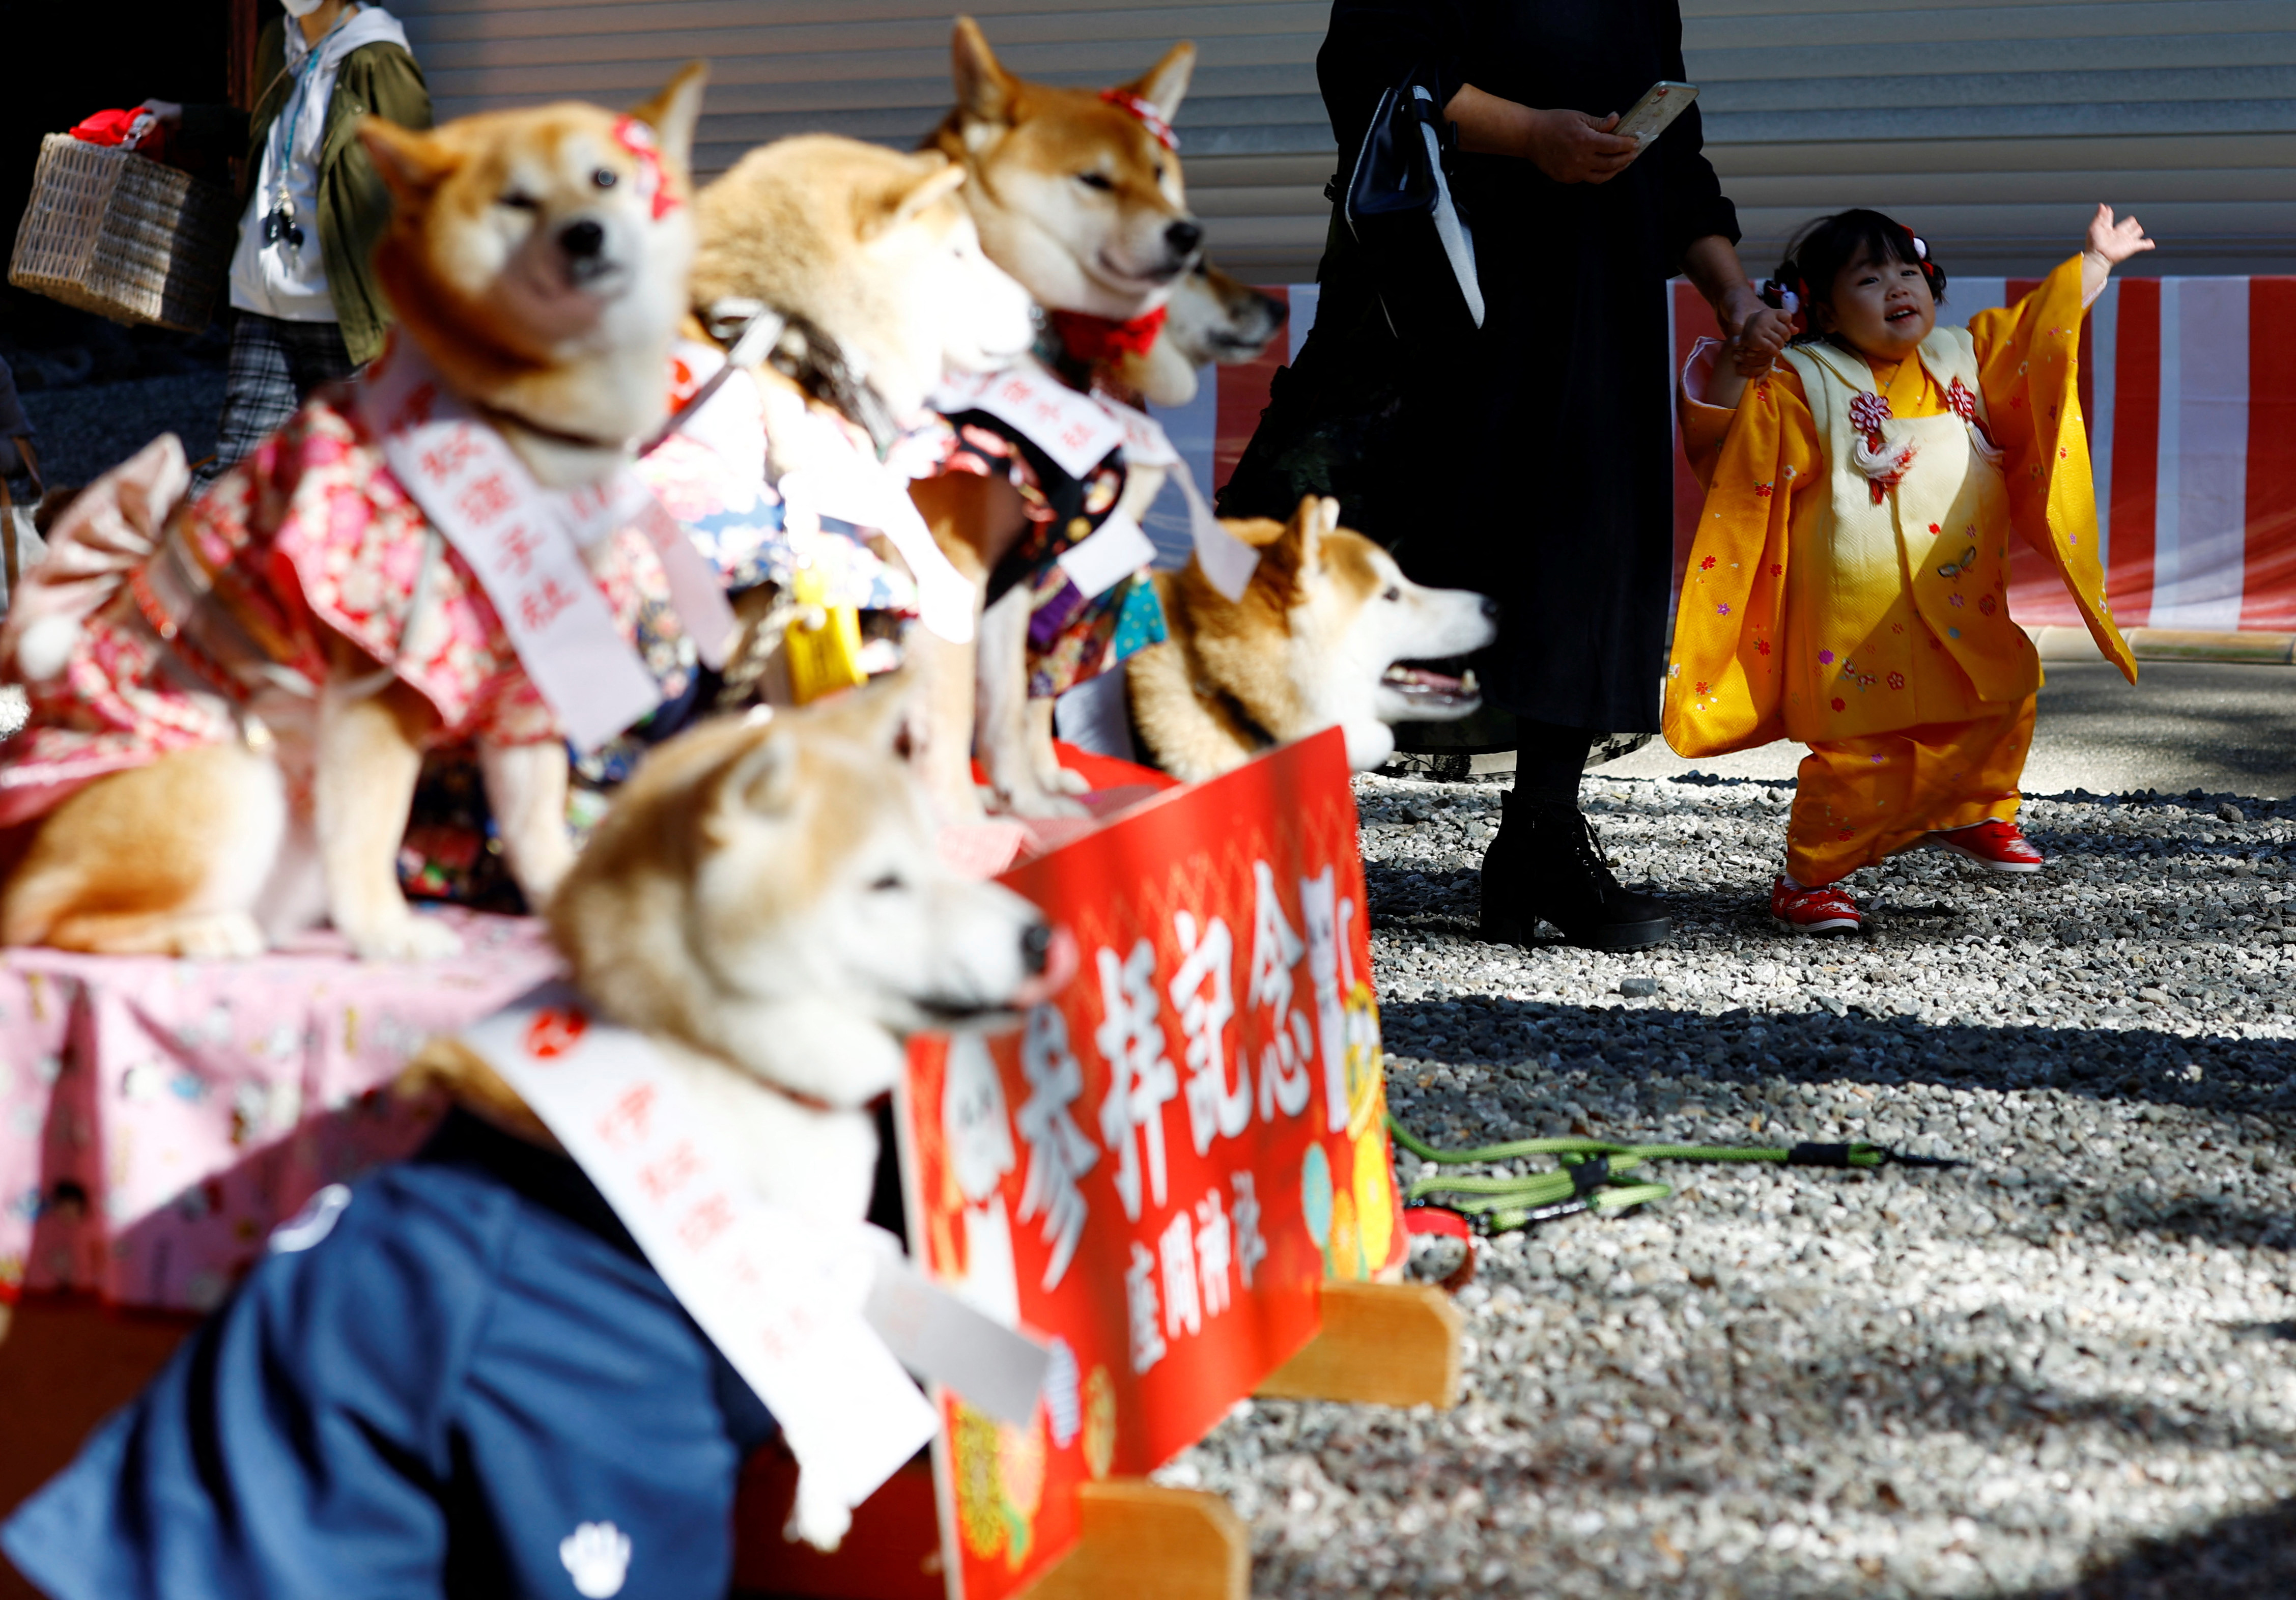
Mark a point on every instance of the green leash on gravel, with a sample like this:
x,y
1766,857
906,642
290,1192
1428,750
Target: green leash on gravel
x,y
1594,1174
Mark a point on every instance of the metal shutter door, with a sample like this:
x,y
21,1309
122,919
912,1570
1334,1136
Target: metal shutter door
x,y
1992,128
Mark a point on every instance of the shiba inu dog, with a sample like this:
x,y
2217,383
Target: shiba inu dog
x,y
463,1368
873,247
873,263
1321,637
766,904
1077,195
1080,196
251,684
1212,319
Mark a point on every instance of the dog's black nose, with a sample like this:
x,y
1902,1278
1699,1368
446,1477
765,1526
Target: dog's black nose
x,y
1183,237
1035,946
1491,608
582,240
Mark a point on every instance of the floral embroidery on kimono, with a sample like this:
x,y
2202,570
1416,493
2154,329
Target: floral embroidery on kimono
x,y
311,534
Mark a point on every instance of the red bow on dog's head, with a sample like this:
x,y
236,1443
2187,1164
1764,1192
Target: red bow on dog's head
x,y
653,182
1147,115
1096,338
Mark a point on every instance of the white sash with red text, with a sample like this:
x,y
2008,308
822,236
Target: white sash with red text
x,y
526,545
818,1318
1078,431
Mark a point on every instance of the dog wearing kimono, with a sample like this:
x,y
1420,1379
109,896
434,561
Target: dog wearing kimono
x,y
1080,196
869,263
462,1375
231,698
1213,319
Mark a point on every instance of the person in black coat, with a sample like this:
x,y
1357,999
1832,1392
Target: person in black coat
x,y
1532,460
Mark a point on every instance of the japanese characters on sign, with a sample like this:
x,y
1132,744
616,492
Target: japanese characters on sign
x,y
1157,1173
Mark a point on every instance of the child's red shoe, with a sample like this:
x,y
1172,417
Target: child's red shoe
x,y
1994,845
1828,909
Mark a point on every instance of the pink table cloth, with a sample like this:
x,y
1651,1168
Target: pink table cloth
x,y
157,1118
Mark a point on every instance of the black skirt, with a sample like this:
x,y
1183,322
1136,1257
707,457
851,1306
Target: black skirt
x,y
1534,462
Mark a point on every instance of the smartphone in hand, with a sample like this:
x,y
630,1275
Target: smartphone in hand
x,y
1655,112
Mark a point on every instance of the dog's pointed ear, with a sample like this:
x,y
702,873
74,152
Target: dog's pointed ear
x,y
672,114
937,178
412,163
984,89
875,715
1165,83
1259,532
1297,546
762,780
1315,520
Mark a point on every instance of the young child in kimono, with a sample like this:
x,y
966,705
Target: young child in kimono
x,y
1849,586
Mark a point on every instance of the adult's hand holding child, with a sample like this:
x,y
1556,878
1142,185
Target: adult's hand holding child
x,y
1760,340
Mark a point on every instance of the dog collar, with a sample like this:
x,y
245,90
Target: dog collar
x,y
1147,115
1093,340
499,414
653,183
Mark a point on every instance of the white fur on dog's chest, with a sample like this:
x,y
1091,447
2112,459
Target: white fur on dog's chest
x,y
819,1160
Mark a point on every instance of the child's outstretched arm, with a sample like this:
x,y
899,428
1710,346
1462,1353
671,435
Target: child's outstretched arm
x,y
2110,243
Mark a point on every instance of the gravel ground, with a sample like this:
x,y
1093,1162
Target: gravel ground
x,y
2066,1369
85,430
2217,724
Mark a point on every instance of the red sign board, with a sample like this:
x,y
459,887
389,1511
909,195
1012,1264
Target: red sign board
x,y
1159,1171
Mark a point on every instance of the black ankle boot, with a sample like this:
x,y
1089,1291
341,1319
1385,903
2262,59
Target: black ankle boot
x,y
1547,863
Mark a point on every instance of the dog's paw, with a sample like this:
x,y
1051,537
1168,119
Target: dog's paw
x,y
596,1556
1037,804
1060,780
408,938
821,1519
224,936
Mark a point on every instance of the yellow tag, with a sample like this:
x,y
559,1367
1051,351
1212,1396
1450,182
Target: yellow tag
x,y
824,640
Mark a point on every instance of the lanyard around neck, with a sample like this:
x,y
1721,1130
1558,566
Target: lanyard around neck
x,y
280,143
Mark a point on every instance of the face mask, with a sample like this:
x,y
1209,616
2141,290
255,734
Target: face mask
x,y
301,8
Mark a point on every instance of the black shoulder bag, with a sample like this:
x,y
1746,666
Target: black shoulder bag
x,y
1400,209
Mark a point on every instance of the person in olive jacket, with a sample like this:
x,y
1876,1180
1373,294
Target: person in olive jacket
x,y
306,308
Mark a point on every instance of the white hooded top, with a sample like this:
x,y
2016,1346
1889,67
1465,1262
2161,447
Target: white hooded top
x,y
281,280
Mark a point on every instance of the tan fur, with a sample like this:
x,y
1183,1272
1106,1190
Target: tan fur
x,y
198,854
1099,248
1222,661
464,279
447,1070
1213,317
765,903
1109,248
1296,654
127,866
875,248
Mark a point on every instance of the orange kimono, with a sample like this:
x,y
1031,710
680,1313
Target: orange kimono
x,y
1848,587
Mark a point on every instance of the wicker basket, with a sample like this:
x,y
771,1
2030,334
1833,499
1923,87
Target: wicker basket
x,y
115,233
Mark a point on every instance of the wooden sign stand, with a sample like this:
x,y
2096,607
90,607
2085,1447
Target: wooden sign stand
x,y
1381,1344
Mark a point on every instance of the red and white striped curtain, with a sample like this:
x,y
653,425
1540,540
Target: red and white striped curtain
x,y
2189,389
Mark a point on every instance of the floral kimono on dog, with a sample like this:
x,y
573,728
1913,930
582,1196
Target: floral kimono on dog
x,y
186,617
1849,586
